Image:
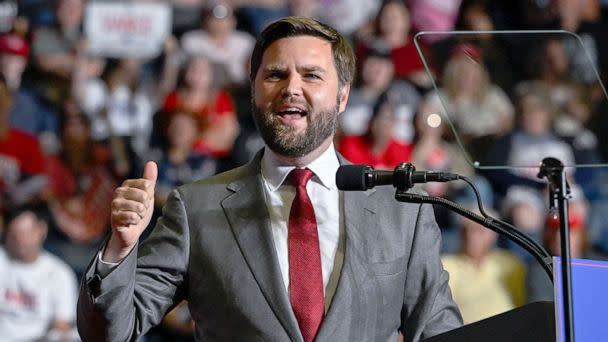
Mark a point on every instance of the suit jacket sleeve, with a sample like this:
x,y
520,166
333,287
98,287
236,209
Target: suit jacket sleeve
x,y
136,294
428,308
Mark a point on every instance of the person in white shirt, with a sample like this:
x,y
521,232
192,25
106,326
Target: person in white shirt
x,y
37,289
221,43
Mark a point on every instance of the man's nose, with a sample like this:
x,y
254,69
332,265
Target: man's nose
x,y
292,86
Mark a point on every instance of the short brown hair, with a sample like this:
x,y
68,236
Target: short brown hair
x,y
344,58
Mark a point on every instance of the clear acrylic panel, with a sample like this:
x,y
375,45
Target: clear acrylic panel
x,y
511,98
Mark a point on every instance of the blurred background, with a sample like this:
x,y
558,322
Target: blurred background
x,y
91,90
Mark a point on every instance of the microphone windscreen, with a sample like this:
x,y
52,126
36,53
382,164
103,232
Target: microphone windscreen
x,y
351,177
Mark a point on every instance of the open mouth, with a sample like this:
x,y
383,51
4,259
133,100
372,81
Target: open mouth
x,y
290,114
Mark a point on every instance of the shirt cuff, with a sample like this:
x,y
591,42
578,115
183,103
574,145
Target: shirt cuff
x,y
103,268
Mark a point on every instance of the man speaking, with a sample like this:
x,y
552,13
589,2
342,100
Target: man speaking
x,y
272,250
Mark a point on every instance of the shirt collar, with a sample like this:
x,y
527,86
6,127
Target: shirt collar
x,y
324,168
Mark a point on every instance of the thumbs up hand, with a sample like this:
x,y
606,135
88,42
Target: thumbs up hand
x,y
132,208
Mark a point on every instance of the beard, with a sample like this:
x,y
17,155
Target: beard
x,y
283,139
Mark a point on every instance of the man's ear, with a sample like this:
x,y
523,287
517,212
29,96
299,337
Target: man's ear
x,y
344,92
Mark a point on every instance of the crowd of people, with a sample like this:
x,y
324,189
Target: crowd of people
x,y
74,125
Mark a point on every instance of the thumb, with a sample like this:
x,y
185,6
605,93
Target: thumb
x,y
151,171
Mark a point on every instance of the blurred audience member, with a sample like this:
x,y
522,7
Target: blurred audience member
x,y
478,108
220,42
120,107
254,15
347,16
28,114
378,146
37,290
88,88
36,12
433,151
583,51
22,177
375,78
178,163
248,140
54,47
525,207
528,145
571,123
217,123
14,53
549,67
186,15
80,191
120,96
434,16
54,51
539,285
392,31
8,15
306,8
496,55
570,101
484,279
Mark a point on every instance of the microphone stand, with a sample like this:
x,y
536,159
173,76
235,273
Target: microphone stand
x,y
559,191
403,182
539,253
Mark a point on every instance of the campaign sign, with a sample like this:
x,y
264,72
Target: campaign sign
x,y
137,30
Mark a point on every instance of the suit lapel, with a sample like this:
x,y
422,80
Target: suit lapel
x,y
359,227
250,223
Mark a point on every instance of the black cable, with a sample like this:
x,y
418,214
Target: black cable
x,y
541,255
516,231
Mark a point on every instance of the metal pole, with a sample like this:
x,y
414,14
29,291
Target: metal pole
x,y
553,170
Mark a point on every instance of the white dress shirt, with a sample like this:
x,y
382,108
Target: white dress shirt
x,y
325,199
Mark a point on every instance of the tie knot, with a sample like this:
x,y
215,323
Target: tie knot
x,y
299,177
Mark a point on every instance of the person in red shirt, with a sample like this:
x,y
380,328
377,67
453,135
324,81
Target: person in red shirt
x,y
80,182
378,146
79,192
392,30
218,128
22,170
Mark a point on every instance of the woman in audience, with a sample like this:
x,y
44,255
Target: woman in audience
x,y
524,148
178,163
220,41
378,146
120,97
80,190
217,123
484,279
392,31
477,108
374,79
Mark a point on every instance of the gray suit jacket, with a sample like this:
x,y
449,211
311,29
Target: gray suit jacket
x,y
213,247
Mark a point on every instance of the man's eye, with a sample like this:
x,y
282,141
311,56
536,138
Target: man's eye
x,y
312,76
274,76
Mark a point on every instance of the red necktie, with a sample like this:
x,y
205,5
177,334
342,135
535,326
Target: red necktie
x,y
305,277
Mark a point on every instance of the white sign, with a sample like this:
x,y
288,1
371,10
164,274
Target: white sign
x,y
117,29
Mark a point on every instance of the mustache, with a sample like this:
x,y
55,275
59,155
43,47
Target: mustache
x,y
291,102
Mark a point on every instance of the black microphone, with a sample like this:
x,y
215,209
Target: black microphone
x,y
360,177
